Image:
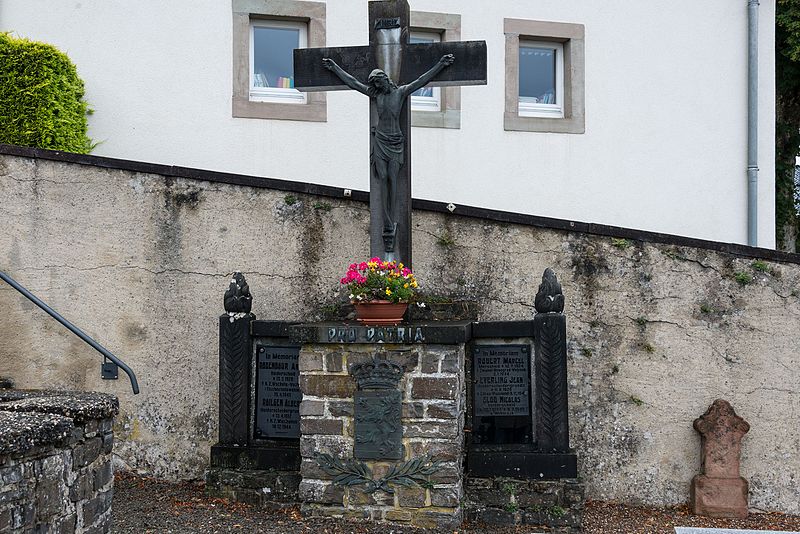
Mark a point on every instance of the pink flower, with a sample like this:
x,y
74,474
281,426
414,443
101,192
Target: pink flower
x,y
362,266
343,280
353,266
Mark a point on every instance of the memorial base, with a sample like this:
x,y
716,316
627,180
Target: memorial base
x,y
523,464
719,497
549,505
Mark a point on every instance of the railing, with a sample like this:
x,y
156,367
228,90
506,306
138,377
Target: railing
x,y
74,329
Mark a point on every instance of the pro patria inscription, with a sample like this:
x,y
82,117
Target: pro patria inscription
x,y
278,393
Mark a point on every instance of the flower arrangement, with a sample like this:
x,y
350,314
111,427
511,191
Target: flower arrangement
x,y
376,279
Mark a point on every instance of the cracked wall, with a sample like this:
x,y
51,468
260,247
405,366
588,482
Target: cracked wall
x,y
140,261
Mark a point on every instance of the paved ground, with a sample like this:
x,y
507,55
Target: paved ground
x,y
145,505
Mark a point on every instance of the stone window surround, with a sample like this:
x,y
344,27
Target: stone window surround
x,y
449,114
573,37
313,14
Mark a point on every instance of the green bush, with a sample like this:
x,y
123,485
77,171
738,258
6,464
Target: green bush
x,y
41,97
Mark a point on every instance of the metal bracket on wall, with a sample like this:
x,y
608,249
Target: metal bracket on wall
x,y
109,370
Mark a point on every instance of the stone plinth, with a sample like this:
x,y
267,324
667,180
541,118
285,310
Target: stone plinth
x,y
547,505
56,471
720,491
432,407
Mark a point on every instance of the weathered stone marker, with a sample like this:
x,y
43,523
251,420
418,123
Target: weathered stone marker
x,y
720,491
409,67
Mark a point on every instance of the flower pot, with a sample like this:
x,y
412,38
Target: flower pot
x,y
380,312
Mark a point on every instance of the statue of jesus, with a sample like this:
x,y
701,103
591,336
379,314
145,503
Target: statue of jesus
x,y
387,141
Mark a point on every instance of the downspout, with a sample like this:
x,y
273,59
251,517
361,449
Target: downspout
x,y
752,123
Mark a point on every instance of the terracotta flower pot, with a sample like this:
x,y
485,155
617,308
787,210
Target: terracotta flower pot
x,y
380,312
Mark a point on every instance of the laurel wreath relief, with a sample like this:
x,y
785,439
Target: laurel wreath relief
x,y
352,472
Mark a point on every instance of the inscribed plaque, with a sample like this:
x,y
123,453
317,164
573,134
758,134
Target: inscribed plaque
x,y
502,380
278,393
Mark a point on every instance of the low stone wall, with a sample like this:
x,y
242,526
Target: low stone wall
x,y
553,505
658,326
56,471
432,392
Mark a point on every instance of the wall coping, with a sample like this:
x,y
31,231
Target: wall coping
x,y
30,419
173,171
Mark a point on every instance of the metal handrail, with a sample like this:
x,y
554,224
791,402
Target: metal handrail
x,y
74,329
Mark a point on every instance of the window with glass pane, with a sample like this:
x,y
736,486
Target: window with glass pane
x,y
425,98
541,79
271,64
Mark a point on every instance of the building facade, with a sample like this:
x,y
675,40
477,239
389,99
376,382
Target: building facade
x,y
631,114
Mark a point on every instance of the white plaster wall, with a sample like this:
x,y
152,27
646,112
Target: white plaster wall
x,y
665,141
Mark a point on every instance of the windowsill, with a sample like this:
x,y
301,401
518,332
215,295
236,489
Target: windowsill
x,y
450,118
567,125
313,111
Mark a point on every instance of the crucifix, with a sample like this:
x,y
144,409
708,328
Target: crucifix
x,y
388,71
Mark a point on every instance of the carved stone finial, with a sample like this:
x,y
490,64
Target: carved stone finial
x,y
720,491
377,374
237,297
549,298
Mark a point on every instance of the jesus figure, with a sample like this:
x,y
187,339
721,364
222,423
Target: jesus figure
x,y
388,143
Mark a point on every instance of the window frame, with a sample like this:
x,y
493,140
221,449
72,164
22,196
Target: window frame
x,y
555,110
246,14
427,103
448,26
572,39
275,94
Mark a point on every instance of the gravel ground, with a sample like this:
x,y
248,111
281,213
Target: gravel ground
x,y
146,505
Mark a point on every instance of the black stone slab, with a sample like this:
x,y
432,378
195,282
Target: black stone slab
x,y
501,394
522,464
407,333
256,457
468,69
499,329
378,429
271,328
278,396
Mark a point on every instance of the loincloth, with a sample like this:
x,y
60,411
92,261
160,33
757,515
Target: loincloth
x,y
387,147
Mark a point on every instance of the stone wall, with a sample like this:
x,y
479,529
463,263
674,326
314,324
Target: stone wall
x,y
432,415
56,472
657,329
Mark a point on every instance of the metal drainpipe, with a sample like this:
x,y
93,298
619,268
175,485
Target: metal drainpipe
x,y
752,123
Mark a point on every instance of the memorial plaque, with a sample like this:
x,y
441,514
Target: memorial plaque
x,y
378,429
278,393
501,394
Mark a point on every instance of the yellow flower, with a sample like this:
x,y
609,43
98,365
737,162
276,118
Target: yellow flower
x,y
414,283
405,286
388,291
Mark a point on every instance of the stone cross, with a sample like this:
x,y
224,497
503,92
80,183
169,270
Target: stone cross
x,y
720,491
388,71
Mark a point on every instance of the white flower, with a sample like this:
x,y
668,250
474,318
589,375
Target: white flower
x,y
352,296
420,304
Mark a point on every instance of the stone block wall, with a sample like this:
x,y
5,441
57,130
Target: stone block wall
x,y
554,505
433,393
56,472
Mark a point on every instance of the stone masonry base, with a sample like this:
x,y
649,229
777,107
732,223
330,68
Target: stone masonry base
x,y
262,488
432,390
556,505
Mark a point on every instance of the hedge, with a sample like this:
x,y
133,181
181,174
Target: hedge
x,y
41,97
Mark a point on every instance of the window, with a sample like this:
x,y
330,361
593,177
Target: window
x,y
271,64
541,79
435,107
544,77
426,98
264,36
